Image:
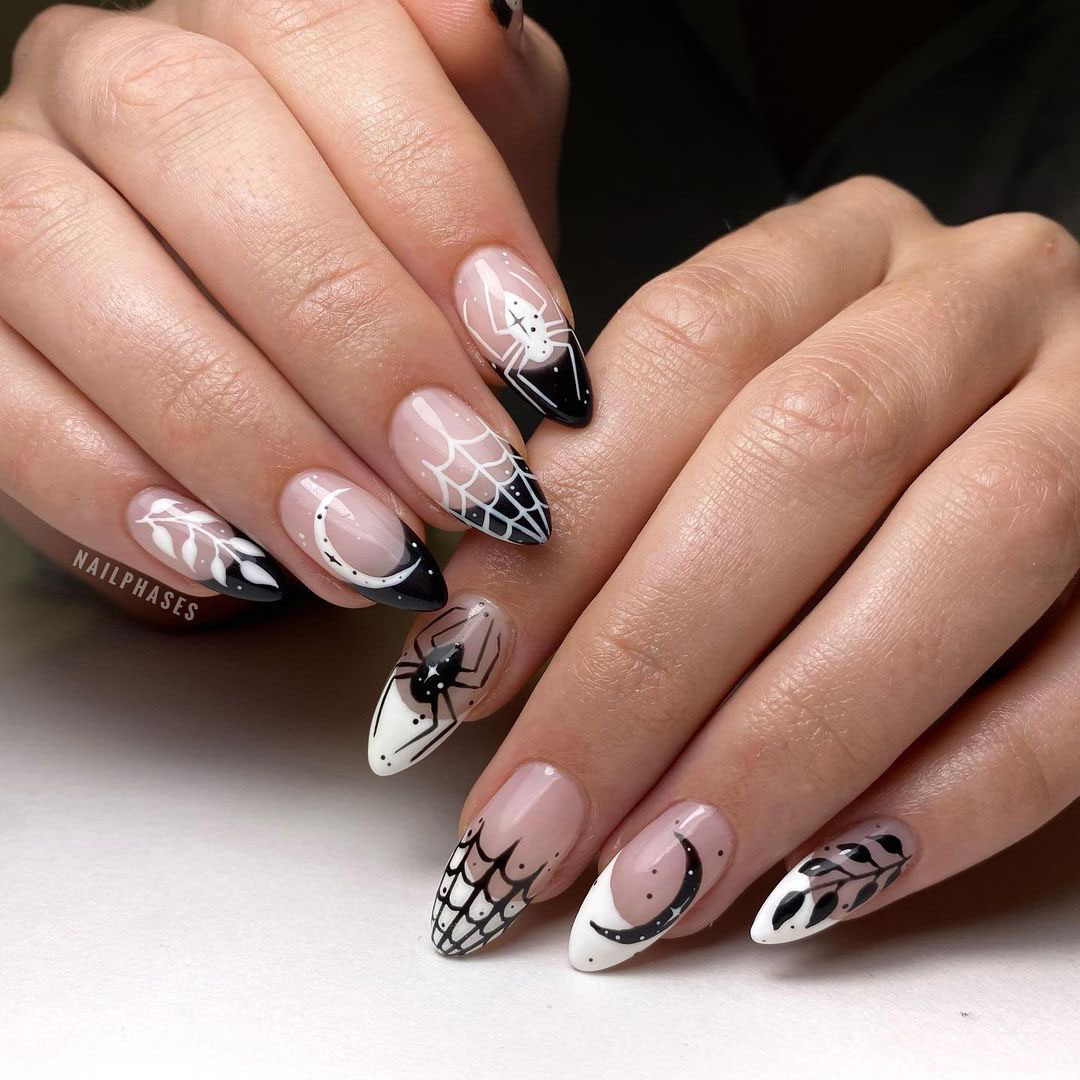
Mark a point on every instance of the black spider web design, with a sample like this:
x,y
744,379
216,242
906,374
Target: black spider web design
x,y
465,916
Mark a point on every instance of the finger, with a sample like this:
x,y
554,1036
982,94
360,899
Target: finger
x,y
70,466
941,592
512,77
164,115
414,162
671,361
1003,764
129,329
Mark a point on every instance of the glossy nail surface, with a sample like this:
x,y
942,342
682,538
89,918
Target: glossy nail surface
x,y
361,541
830,883
441,677
645,890
509,13
475,474
505,857
522,333
196,543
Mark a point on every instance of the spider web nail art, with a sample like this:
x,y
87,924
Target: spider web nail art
x,y
484,482
469,912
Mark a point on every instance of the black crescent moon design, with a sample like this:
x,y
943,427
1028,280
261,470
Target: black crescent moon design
x,y
691,882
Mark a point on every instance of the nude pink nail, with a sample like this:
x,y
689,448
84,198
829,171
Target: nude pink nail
x,y
650,884
505,857
521,333
475,474
361,541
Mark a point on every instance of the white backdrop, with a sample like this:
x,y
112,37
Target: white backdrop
x,y
200,878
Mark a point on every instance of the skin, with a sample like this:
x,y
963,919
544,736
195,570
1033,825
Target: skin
x,y
319,206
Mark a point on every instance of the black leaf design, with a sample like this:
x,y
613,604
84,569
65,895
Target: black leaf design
x,y
890,843
893,875
815,867
856,852
822,909
863,895
788,908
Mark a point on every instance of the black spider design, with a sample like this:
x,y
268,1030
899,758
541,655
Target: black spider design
x,y
440,663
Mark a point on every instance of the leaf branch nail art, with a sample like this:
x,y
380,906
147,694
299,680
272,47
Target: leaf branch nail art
x,y
832,883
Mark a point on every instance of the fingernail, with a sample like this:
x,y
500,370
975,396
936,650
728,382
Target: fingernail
x,y
510,14
361,541
830,883
522,333
464,466
650,884
442,677
195,542
506,857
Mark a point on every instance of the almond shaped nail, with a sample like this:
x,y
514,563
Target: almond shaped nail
x,y
475,474
505,857
196,543
361,541
826,886
442,676
522,333
650,884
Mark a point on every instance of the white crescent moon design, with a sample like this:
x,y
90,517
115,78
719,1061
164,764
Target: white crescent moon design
x,y
342,569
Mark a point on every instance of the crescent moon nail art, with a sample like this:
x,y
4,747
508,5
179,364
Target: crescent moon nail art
x,y
650,884
196,543
523,335
442,677
505,858
836,879
361,542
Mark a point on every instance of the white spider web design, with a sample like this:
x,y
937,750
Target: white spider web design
x,y
466,915
498,495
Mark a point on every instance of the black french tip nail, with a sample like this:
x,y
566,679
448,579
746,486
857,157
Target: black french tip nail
x,y
504,11
423,590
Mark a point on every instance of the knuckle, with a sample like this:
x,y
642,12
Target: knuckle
x,y
272,20
203,387
891,199
1037,240
42,193
43,31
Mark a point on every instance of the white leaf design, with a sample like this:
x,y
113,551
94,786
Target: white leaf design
x,y
201,517
243,546
190,552
217,570
158,506
256,574
163,540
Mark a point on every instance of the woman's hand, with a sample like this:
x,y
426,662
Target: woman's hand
x,y
835,476
254,260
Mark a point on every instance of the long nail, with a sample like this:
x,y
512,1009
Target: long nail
x,y
506,857
468,469
522,333
650,884
510,14
196,543
830,883
357,538
443,676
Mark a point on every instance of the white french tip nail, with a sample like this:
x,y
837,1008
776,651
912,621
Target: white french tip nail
x,y
400,736
765,932
589,951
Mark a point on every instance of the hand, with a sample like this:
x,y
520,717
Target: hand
x,y
832,481
254,260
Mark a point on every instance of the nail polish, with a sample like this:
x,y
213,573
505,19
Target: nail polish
x,y
506,11
506,857
475,474
649,885
196,543
522,333
827,885
442,676
361,541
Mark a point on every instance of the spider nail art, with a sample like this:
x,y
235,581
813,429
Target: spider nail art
x,y
650,884
466,467
358,539
523,335
441,678
196,543
506,857
830,883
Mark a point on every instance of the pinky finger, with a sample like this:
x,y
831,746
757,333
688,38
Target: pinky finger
x,y
70,466
1002,765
